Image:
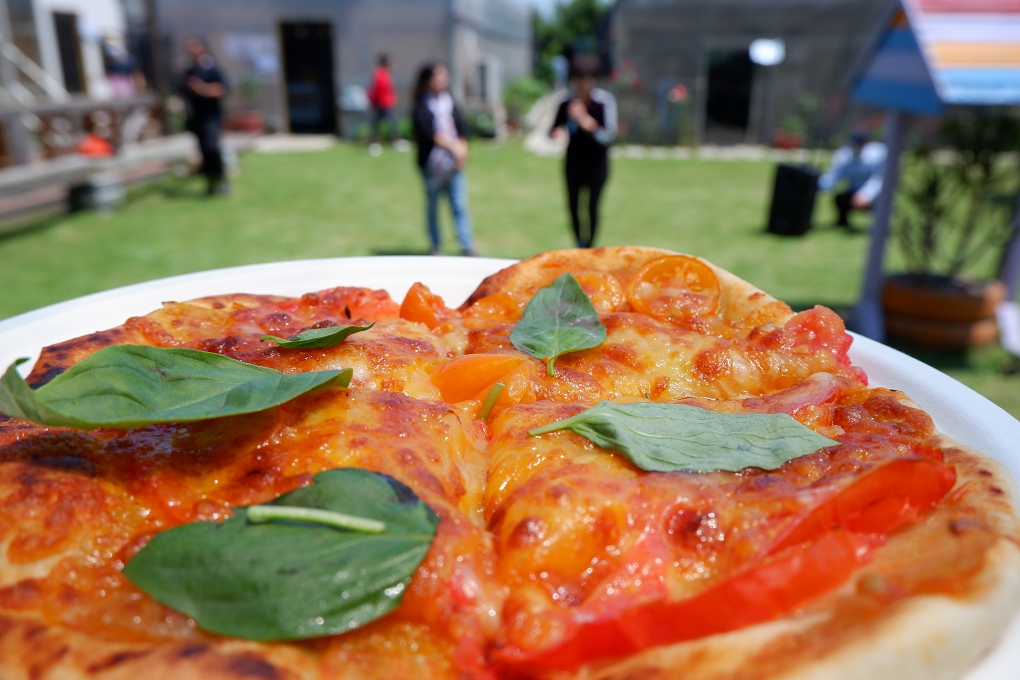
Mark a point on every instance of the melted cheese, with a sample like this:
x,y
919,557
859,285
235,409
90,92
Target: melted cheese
x,y
582,532
77,506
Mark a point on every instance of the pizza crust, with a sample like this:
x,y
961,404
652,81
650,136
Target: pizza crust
x,y
739,298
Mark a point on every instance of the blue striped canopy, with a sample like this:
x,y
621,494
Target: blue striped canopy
x,y
936,52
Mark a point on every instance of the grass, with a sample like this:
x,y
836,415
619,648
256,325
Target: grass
x,y
344,202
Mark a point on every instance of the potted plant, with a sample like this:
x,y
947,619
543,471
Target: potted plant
x,y
952,223
249,118
793,129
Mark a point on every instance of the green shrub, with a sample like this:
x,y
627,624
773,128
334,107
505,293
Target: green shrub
x,y
519,96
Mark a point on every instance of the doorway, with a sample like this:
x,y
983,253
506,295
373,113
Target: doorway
x,y
308,74
69,45
728,105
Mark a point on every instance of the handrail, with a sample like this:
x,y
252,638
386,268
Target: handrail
x,y
40,77
21,93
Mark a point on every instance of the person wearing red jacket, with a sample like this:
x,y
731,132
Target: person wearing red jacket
x,y
382,95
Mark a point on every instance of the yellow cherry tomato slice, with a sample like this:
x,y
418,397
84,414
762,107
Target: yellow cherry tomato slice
x,y
497,307
422,305
466,376
675,287
604,289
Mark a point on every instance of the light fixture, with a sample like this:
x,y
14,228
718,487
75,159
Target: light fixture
x,y
767,51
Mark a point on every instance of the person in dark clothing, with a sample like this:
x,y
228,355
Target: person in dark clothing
x,y
441,136
203,88
588,116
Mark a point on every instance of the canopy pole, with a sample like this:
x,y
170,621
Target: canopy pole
x,y
1009,271
868,319
1007,313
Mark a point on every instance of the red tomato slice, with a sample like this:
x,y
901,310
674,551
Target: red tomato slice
x,y
891,496
759,593
819,553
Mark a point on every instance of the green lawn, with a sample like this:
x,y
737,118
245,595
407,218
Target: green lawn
x,y
344,202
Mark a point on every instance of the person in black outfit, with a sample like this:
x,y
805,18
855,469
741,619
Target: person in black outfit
x,y
203,88
588,116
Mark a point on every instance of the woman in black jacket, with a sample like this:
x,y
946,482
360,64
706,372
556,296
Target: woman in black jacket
x,y
441,136
588,115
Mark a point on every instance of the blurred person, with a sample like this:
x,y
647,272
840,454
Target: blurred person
x,y
862,164
125,77
441,136
382,95
588,116
123,72
203,88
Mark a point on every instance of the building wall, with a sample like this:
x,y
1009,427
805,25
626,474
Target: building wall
x,y
95,18
244,37
411,33
669,41
496,33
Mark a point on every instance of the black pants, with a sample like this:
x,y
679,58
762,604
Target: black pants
x,y
389,115
208,132
592,178
843,207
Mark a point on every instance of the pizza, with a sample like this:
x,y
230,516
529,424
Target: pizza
x,y
619,462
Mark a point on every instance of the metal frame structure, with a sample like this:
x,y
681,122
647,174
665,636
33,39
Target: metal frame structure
x,y
927,54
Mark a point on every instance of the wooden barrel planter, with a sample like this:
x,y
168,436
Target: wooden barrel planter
x,y
940,312
246,121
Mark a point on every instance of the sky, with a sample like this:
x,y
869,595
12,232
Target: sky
x,y
544,7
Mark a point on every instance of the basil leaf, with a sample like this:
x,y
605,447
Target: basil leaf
x,y
557,320
128,386
293,580
670,437
315,338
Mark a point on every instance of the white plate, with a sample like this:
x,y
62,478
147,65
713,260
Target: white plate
x,y
957,410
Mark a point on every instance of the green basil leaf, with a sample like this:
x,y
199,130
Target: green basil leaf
x,y
557,320
315,338
670,437
128,386
293,580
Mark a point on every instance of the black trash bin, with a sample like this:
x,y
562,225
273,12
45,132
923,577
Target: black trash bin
x,y
793,200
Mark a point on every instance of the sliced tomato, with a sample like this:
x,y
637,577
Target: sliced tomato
x,y
675,287
819,328
891,496
496,307
467,376
422,305
759,593
818,554
516,389
604,290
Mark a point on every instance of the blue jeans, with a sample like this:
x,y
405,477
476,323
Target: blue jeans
x,y
456,189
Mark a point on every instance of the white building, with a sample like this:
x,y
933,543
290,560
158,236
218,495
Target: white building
x,y
311,59
62,37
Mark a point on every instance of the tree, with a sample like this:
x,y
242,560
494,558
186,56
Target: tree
x,y
573,28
